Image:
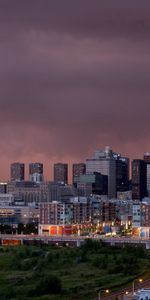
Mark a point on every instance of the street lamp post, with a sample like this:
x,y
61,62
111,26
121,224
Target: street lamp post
x,y
99,293
133,284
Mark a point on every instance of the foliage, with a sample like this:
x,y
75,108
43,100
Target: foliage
x,y
53,273
49,284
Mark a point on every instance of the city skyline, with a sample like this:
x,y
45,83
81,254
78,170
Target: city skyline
x,y
74,77
48,169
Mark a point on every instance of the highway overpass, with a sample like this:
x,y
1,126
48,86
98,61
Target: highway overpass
x,y
75,240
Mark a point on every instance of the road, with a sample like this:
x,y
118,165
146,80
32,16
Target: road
x,y
119,294
75,237
65,238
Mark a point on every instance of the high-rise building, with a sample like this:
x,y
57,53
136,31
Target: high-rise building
x,y
77,170
147,161
17,171
122,172
104,162
61,173
138,179
36,172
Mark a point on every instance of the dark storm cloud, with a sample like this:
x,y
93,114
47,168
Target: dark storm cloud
x,y
74,76
82,17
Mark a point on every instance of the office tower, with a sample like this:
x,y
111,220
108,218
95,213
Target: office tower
x,y
61,173
122,173
147,161
104,162
138,179
17,171
36,172
77,170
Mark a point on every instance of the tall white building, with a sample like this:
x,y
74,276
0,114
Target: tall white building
x,y
104,162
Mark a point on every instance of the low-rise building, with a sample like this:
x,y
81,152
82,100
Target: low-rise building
x,y
136,214
55,213
145,207
93,212
6,199
13,215
29,191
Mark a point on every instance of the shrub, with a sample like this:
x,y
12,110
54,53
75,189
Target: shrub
x,y
49,284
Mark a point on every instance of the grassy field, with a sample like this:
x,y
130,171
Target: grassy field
x,y
52,273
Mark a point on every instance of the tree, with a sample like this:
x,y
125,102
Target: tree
x,y
49,284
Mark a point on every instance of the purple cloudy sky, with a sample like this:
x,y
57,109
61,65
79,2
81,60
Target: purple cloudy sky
x,y
74,77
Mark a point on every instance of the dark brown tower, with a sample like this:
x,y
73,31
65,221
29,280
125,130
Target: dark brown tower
x,y
17,171
61,173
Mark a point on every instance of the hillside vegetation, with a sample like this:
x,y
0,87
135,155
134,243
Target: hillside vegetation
x,y
54,273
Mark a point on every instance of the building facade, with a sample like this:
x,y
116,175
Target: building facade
x,y
122,173
28,191
104,162
17,171
36,172
77,170
55,213
13,215
139,189
95,183
137,214
61,173
147,162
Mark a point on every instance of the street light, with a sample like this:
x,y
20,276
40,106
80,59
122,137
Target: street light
x,y
133,284
99,293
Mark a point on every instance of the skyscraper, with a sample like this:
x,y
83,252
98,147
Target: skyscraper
x,y
147,161
122,172
36,172
138,179
17,171
104,163
61,173
77,170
